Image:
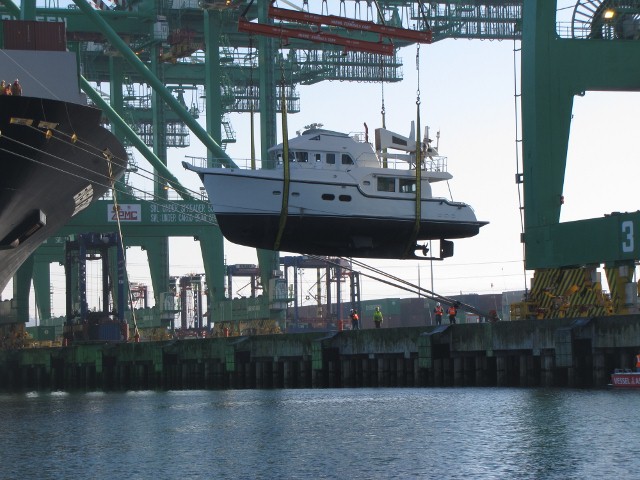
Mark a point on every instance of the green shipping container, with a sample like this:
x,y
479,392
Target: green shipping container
x,y
42,333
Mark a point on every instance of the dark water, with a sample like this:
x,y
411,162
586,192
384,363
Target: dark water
x,y
343,434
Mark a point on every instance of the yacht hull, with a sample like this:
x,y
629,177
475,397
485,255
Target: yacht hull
x,y
372,237
335,215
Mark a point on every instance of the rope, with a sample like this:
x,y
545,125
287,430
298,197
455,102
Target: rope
x,y
116,206
80,167
105,154
98,154
397,282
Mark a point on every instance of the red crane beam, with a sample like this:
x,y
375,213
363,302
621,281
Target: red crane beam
x,y
319,37
350,24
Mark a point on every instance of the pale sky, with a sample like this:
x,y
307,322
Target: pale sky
x,y
467,92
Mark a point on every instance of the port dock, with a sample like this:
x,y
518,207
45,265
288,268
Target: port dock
x,y
561,352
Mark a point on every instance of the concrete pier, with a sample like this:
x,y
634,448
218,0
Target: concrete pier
x,y
562,352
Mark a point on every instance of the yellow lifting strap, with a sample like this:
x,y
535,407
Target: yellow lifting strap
x,y
287,177
411,244
253,143
252,106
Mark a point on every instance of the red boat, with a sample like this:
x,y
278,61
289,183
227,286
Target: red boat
x,y
625,378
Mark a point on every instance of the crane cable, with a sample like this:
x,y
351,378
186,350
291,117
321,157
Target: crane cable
x,y
116,207
411,244
382,75
382,109
397,282
519,175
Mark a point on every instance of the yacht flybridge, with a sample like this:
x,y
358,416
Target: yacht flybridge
x,y
338,196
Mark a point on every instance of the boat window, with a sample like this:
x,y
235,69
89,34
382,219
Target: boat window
x,y
331,158
318,157
407,185
346,159
328,196
344,198
299,157
366,182
386,184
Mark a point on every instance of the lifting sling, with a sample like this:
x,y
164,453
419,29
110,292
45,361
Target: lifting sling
x,y
287,176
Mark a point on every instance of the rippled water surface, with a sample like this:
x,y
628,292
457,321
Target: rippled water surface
x,y
342,434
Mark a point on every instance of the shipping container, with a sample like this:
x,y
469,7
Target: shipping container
x,y
51,36
414,312
397,312
42,333
484,303
390,308
19,35
241,309
109,332
30,35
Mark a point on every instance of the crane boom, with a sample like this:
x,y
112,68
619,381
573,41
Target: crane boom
x,y
351,24
319,37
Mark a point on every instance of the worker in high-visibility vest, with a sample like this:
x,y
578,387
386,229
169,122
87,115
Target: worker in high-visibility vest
x,y
638,362
452,314
355,320
377,317
439,311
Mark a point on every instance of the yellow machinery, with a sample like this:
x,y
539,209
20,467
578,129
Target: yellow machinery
x,y
565,293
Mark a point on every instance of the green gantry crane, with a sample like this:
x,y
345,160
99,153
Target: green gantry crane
x,y
152,53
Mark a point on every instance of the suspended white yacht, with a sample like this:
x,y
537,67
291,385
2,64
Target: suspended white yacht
x,y
340,197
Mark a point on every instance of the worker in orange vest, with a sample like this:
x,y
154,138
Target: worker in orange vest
x,y
355,320
439,311
452,314
638,362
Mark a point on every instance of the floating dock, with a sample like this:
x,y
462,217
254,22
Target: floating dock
x,y
562,352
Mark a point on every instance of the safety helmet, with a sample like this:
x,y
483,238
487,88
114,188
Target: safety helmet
x,y
438,304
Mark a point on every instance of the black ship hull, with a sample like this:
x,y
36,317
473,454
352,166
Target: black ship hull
x,y
339,236
54,161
